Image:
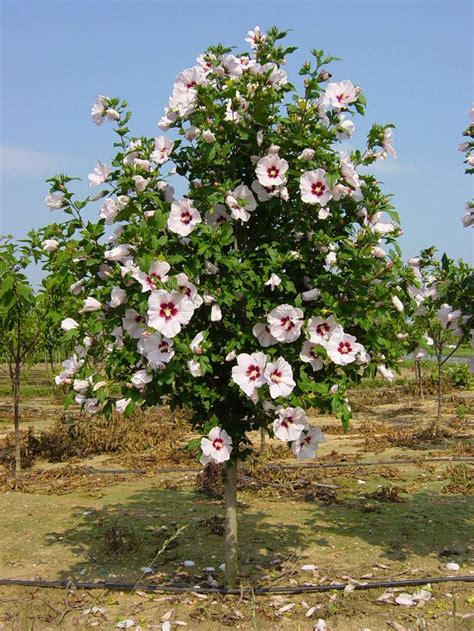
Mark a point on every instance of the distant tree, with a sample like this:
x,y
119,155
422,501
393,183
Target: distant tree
x,y
20,322
467,147
444,294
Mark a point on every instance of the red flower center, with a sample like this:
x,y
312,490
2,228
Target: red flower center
x,y
322,329
218,444
273,172
186,217
163,346
287,421
344,348
287,323
253,372
318,188
150,279
168,310
276,376
138,318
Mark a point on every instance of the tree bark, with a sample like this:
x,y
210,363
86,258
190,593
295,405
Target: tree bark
x,y
231,538
16,419
422,395
263,441
51,359
440,392
419,378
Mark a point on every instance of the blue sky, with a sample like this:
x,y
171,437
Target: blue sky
x,y
412,60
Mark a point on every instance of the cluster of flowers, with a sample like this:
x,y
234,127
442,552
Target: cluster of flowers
x,y
285,324
184,98
290,425
270,182
314,189
452,320
467,147
168,312
170,308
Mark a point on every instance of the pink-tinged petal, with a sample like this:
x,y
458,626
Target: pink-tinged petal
x,y
206,446
171,328
215,433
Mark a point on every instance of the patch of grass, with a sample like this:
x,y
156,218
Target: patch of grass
x,y
462,411
115,531
465,351
28,391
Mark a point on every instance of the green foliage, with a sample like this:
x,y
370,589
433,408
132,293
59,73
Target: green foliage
x,y
459,375
230,264
444,293
462,411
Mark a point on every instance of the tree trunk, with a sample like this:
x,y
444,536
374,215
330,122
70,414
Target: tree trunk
x,y
440,392
231,538
16,419
422,395
263,442
419,378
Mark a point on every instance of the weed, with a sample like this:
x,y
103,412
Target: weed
x,y
120,540
462,411
209,481
387,493
215,524
461,480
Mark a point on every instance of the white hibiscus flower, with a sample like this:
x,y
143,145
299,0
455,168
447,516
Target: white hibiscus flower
x,y
271,170
343,349
285,323
168,311
262,333
319,329
305,446
99,175
314,187
279,377
249,372
217,447
290,423
163,148
340,95
310,355
241,202
183,217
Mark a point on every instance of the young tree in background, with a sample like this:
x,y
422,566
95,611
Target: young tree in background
x,y
20,322
272,285
444,293
467,147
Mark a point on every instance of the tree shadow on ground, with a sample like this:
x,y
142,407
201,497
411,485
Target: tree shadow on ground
x,y
424,524
117,540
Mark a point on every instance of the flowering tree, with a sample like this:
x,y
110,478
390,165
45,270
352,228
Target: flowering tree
x,y
20,322
272,284
467,147
444,295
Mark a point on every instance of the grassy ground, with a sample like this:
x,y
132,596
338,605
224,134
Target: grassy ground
x,y
389,521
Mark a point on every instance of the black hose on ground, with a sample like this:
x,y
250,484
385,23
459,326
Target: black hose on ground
x,y
300,589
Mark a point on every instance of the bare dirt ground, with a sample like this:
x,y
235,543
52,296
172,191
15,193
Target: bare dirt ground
x,y
341,521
